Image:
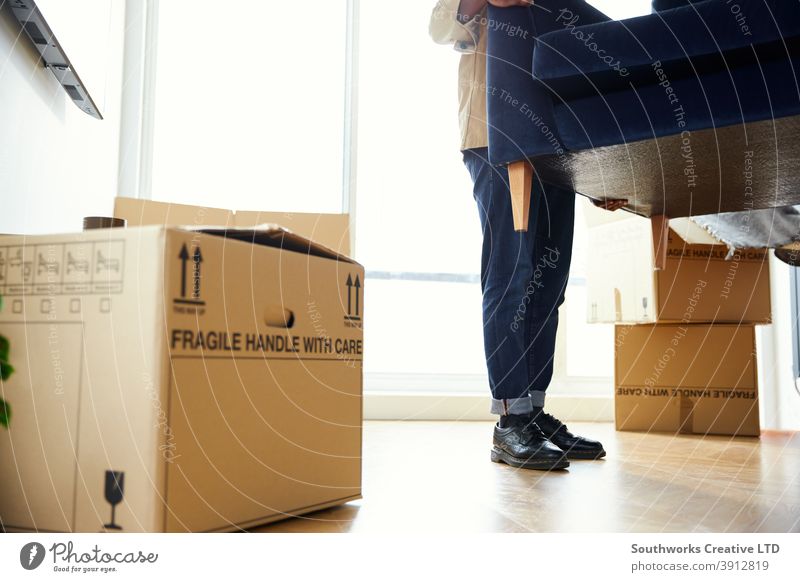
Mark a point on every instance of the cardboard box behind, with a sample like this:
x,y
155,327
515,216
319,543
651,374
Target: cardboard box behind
x,y
220,379
330,230
699,379
698,284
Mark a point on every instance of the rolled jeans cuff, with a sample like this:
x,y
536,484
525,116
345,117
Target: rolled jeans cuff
x,y
537,398
518,405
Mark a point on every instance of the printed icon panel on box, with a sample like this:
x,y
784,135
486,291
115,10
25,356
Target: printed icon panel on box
x,y
62,269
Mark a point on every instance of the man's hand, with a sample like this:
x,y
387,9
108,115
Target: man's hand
x,y
611,204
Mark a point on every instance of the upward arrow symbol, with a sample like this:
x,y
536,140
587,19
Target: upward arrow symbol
x,y
358,291
184,257
349,293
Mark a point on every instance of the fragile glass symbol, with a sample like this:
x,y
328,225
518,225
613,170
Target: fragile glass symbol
x,y
115,487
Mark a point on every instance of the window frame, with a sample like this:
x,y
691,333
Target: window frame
x,y
794,294
472,384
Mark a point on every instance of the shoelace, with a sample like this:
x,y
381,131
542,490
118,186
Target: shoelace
x,y
532,432
560,426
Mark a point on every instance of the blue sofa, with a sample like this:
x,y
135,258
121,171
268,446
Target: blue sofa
x,y
693,109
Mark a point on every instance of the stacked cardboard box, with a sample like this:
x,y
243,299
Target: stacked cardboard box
x,y
685,351
178,379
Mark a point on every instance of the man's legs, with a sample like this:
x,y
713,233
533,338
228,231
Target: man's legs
x,y
524,277
552,252
506,269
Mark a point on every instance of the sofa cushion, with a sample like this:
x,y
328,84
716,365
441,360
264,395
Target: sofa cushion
x,y
580,59
746,94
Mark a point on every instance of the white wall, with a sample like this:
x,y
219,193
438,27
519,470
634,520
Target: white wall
x,y
57,164
780,402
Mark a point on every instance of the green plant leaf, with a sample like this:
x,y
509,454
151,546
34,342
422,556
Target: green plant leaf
x,y
6,370
5,413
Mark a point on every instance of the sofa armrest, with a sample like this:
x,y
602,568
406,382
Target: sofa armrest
x,y
519,108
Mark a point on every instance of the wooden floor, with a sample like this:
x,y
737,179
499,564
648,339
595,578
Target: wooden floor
x,y
436,476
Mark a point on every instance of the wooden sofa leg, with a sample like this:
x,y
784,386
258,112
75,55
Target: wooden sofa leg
x,y
660,225
520,178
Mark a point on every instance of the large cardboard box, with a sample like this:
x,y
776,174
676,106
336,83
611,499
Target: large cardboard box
x,y
169,379
330,230
698,379
697,285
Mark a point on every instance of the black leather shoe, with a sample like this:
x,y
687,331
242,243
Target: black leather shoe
x,y
521,444
575,447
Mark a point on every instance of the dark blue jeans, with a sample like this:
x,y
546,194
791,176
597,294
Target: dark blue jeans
x,y
523,279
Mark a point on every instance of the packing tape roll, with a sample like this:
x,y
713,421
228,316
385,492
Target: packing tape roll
x,y
276,316
93,222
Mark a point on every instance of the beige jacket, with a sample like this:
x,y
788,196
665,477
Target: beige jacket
x,y
469,39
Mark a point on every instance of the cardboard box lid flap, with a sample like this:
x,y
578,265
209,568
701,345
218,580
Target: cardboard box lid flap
x,y
685,228
272,235
691,232
595,216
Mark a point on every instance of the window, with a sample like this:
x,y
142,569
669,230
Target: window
x,y
417,228
249,105
417,225
619,9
